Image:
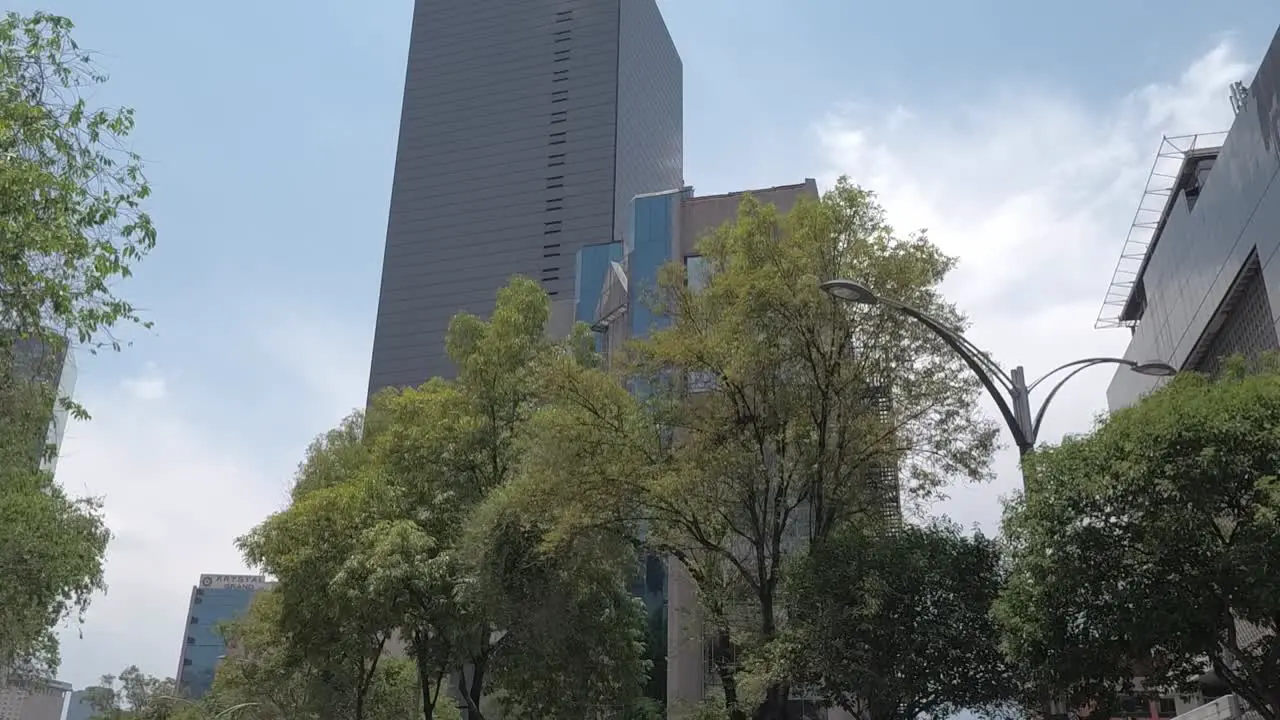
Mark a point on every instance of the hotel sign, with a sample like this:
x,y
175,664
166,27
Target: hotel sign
x,y
233,582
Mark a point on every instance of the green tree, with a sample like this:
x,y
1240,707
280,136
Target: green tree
x,y
815,406
1151,546
261,666
898,626
389,531
473,590
265,677
71,225
339,633
70,194
576,644
134,695
51,545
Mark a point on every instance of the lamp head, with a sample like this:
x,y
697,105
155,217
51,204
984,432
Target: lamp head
x,y
1154,369
849,291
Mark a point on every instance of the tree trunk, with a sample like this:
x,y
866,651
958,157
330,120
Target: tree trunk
x,y
1258,699
774,706
421,662
726,668
364,681
477,682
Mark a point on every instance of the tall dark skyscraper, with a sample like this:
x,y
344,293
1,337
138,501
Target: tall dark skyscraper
x,y
526,130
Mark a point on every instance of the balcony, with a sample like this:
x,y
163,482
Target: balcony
x,y
1226,707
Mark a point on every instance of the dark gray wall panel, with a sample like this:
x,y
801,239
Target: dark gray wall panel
x,y
512,156
650,109
1202,251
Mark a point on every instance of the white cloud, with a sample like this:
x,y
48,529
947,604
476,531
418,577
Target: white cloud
x,y
151,385
1034,189
176,496
185,464
327,361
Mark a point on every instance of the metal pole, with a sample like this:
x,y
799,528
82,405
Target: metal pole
x,y
1016,409
1021,397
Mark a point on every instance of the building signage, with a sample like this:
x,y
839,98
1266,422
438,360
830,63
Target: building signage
x,y
233,582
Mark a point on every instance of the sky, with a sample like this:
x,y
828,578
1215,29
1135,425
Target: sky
x,y
1019,134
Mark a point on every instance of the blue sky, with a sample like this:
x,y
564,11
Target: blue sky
x,y
1018,133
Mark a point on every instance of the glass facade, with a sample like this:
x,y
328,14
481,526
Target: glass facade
x,y
1207,285
47,360
652,242
662,227
58,423
644,250
79,707
697,275
593,266
697,272
212,605
652,218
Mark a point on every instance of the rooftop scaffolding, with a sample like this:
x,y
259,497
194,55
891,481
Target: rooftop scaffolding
x,y
1149,219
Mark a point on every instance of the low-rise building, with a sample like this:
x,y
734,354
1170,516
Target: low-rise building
x,y
32,699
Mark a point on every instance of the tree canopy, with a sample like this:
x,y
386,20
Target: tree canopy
x,y
51,547
267,677
71,193
819,416
134,695
51,544
1151,546
390,540
898,626
71,224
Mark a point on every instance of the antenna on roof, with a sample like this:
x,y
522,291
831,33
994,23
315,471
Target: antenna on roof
x,y
1239,96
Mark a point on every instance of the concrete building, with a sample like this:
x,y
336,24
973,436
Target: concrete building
x,y
216,600
46,361
79,707
525,131
22,699
1198,278
613,280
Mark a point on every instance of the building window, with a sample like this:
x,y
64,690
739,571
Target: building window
x,y
193,620
701,381
697,275
697,272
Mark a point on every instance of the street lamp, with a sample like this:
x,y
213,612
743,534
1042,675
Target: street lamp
x,y
1010,390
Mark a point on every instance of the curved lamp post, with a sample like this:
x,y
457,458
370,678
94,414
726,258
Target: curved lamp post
x,y
1010,390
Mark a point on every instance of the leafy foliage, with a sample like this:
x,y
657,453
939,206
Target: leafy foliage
x,y
898,626
71,221
134,695
1151,546
264,677
577,648
331,628
392,532
70,225
51,545
813,401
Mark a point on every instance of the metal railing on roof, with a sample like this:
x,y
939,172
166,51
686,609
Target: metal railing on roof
x,y
1148,220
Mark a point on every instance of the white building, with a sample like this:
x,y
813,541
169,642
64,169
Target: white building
x,y
33,699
